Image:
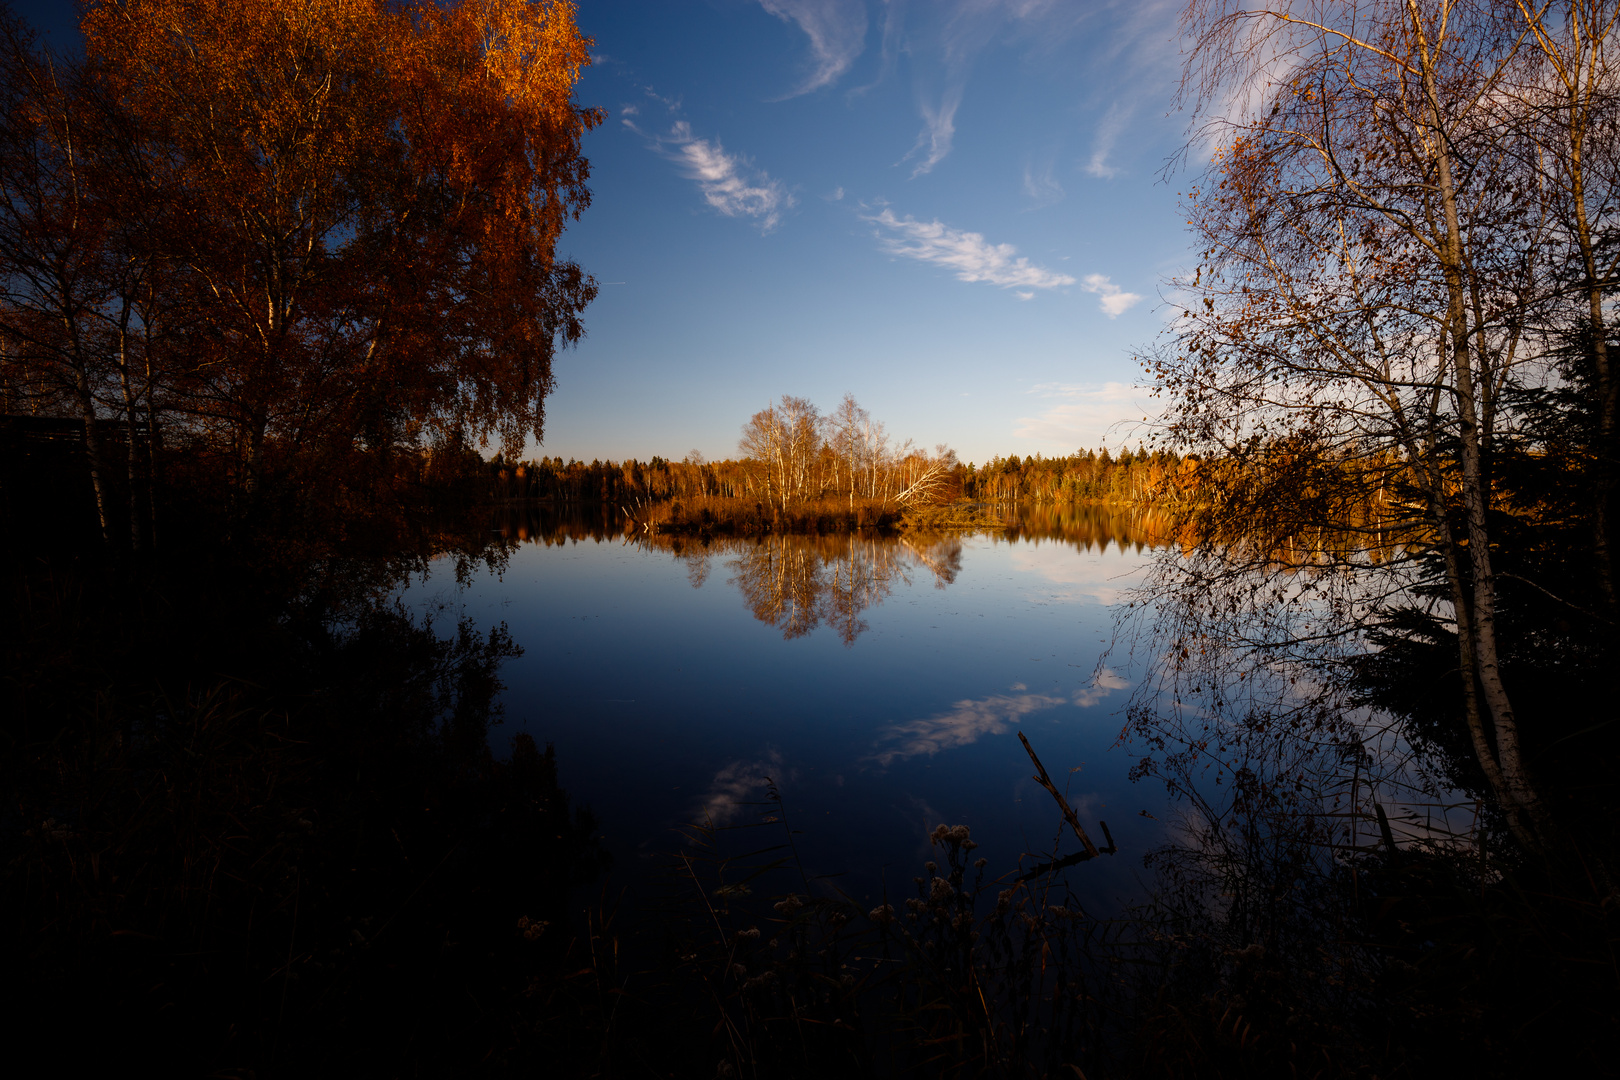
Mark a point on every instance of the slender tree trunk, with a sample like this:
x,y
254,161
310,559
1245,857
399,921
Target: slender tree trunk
x,y
1580,71
1603,487
92,452
130,424
1461,604
253,474
1509,758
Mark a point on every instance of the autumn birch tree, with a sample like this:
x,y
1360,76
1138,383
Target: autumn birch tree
x,y
364,199
1561,107
1375,253
58,266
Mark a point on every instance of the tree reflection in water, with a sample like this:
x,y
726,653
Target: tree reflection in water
x,y
797,583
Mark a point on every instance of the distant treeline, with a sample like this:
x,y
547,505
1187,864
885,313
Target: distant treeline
x,y
791,457
798,470
1134,478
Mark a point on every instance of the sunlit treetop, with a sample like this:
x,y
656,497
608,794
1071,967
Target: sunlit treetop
x,y
366,197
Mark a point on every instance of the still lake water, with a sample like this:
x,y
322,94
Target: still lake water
x,y
881,682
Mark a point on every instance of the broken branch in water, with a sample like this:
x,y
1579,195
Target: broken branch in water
x,y
1069,815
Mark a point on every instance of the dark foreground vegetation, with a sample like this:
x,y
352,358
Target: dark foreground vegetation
x,y
254,824
263,823
259,821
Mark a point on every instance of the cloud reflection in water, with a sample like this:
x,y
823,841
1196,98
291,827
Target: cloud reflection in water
x,y
738,786
966,723
970,720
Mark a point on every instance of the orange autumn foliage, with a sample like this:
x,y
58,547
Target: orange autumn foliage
x,y
359,202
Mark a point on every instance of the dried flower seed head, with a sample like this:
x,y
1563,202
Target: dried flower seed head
x,y
763,979
940,889
883,914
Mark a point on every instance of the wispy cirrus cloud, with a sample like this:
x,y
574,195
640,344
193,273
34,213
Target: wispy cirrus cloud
x,y
939,128
1041,184
943,40
1084,414
729,182
968,253
1115,301
837,33
1102,142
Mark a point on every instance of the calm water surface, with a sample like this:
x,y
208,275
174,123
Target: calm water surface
x,y
881,682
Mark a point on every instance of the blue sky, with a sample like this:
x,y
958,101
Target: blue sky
x,y
950,208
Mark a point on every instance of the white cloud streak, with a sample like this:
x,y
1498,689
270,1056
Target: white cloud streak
x,y
943,40
1041,185
837,33
1102,142
972,719
939,129
966,723
1085,415
1082,580
729,182
1104,684
1115,301
968,253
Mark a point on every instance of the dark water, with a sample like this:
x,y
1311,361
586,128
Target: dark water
x,y
879,681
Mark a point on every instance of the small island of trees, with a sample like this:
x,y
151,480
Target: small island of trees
x,y
800,470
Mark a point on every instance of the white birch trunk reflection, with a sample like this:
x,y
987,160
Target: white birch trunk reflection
x,y
799,583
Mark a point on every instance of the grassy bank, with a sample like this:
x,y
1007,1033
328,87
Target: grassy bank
x,y
719,515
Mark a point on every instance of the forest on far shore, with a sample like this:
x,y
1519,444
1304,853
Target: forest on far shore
x,y
791,455
1130,477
